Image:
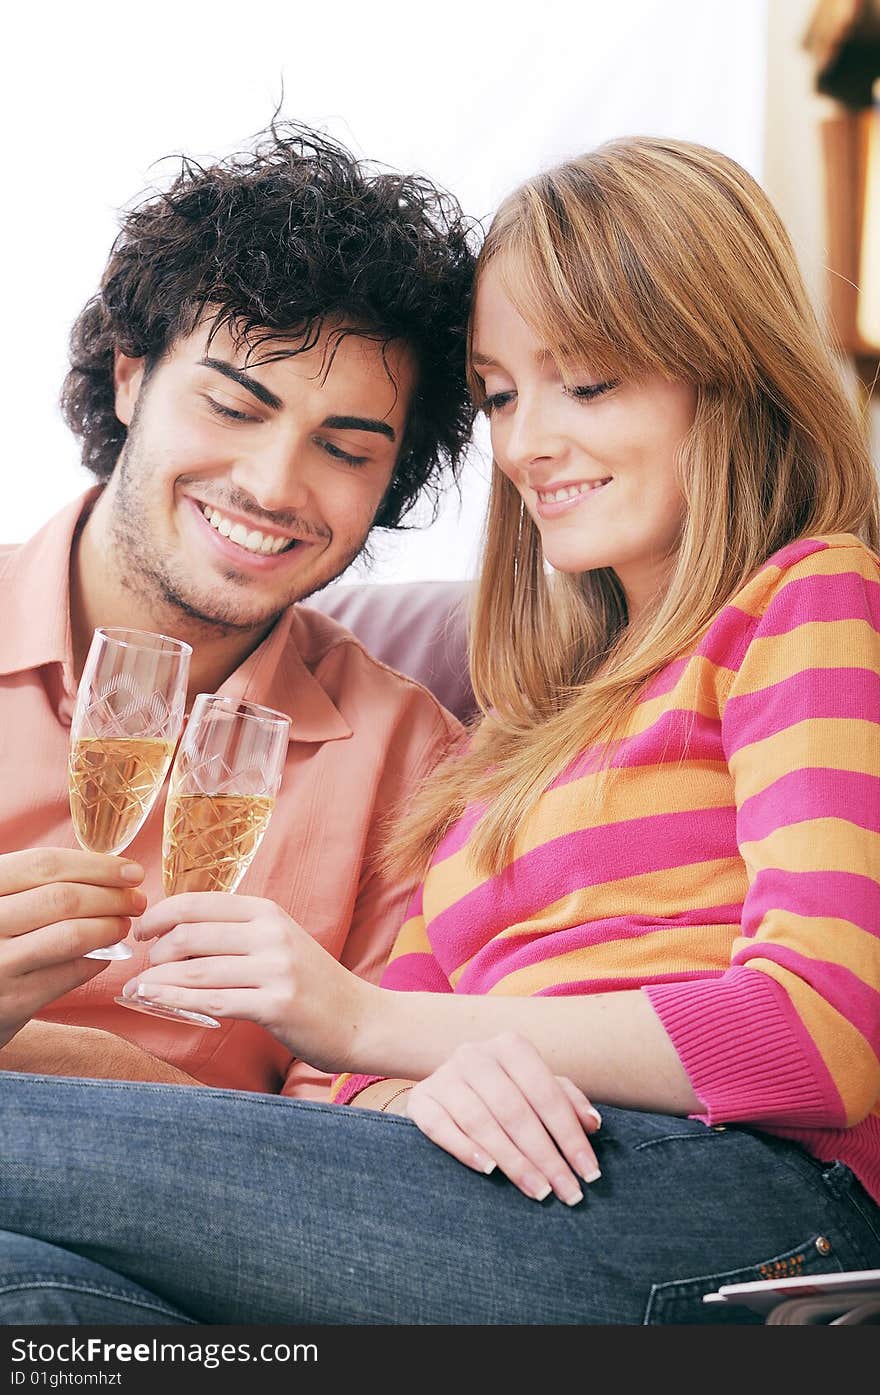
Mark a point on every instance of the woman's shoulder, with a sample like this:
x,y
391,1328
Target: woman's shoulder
x,y
832,559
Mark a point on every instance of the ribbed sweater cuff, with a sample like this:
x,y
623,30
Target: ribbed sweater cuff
x,y
345,1087
743,1048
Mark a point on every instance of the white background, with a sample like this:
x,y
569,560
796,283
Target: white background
x,y
478,96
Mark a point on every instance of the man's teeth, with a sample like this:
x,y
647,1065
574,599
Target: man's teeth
x,y
569,491
254,540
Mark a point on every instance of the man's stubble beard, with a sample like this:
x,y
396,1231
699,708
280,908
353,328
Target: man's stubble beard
x,y
144,574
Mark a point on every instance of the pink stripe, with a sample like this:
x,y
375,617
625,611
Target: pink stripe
x,y
817,894
587,857
415,906
680,734
589,987
502,957
459,834
841,693
847,596
811,793
747,1052
415,973
666,679
794,552
854,999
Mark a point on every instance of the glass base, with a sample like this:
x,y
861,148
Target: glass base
x,y
196,1019
120,951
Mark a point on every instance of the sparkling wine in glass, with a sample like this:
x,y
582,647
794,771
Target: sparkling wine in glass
x,y
126,721
221,794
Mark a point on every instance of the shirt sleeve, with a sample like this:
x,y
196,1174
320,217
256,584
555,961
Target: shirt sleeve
x,y
789,1035
376,929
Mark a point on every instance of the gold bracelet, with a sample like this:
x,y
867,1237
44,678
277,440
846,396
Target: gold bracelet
x,y
397,1093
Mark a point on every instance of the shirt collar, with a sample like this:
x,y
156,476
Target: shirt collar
x,y
35,630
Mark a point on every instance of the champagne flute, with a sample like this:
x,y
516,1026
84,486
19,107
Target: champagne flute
x,y
221,795
127,718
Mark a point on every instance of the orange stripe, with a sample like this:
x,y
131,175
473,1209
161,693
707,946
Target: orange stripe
x,y
818,644
816,845
661,894
824,742
680,949
412,938
822,939
574,807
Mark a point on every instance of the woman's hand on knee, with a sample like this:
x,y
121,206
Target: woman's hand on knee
x,y
496,1103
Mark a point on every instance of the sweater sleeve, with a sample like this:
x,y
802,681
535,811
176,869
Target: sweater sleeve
x,y
411,968
789,1035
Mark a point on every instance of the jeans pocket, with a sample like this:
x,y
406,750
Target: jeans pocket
x,y
681,1300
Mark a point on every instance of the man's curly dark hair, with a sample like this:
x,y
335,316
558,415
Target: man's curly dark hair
x,y
277,241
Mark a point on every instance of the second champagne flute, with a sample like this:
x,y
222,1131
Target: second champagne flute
x,y
221,794
126,721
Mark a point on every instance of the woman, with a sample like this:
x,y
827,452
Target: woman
x,y
653,872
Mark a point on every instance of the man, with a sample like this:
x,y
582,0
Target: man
x,y
273,366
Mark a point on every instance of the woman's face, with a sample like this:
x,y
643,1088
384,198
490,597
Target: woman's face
x,y
593,461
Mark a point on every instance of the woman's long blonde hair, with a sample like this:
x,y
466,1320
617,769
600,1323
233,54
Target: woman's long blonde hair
x,y
646,256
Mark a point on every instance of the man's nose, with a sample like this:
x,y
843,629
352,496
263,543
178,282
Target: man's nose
x,y
274,474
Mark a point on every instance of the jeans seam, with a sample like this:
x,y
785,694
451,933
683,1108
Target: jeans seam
x,y
79,1083
93,1291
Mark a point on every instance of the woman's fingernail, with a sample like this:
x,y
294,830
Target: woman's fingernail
x,y
570,1193
586,1167
129,989
145,991
597,1116
132,872
539,1190
485,1165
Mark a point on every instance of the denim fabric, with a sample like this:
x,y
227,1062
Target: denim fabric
x,y
243,1208
41,1283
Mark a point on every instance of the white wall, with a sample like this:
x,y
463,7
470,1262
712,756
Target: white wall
x,y
476,95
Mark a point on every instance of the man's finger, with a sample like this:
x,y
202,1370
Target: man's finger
x,y
33,867
24,911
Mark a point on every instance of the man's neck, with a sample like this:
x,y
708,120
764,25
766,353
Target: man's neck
x,y
99,595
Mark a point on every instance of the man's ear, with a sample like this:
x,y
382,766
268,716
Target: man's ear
x,y
128,375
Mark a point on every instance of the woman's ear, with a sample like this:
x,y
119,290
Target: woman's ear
x,y
128,375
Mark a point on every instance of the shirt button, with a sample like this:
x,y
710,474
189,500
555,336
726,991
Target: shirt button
x,y
823,1245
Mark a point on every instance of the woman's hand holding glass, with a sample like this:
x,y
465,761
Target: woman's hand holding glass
x,y
243,957
223,786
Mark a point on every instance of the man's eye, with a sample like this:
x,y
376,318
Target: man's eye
x,y
497,400
343,455
227,413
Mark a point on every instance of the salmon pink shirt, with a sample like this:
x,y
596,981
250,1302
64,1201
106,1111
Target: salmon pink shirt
x,y
362,737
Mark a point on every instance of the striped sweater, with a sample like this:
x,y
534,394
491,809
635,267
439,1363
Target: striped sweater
x,y
731,871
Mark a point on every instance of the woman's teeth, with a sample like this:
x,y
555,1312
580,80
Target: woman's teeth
x,y
569,491
253,540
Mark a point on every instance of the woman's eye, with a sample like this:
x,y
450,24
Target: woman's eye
x,y
338,454
228,413
588,391
496,400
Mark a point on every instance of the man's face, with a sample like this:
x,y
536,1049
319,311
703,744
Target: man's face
x,y
243,487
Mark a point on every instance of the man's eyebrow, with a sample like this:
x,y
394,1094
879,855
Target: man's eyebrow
x,y
262,394
360,424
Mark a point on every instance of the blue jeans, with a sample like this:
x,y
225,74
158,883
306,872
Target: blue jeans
x,y
128,1203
